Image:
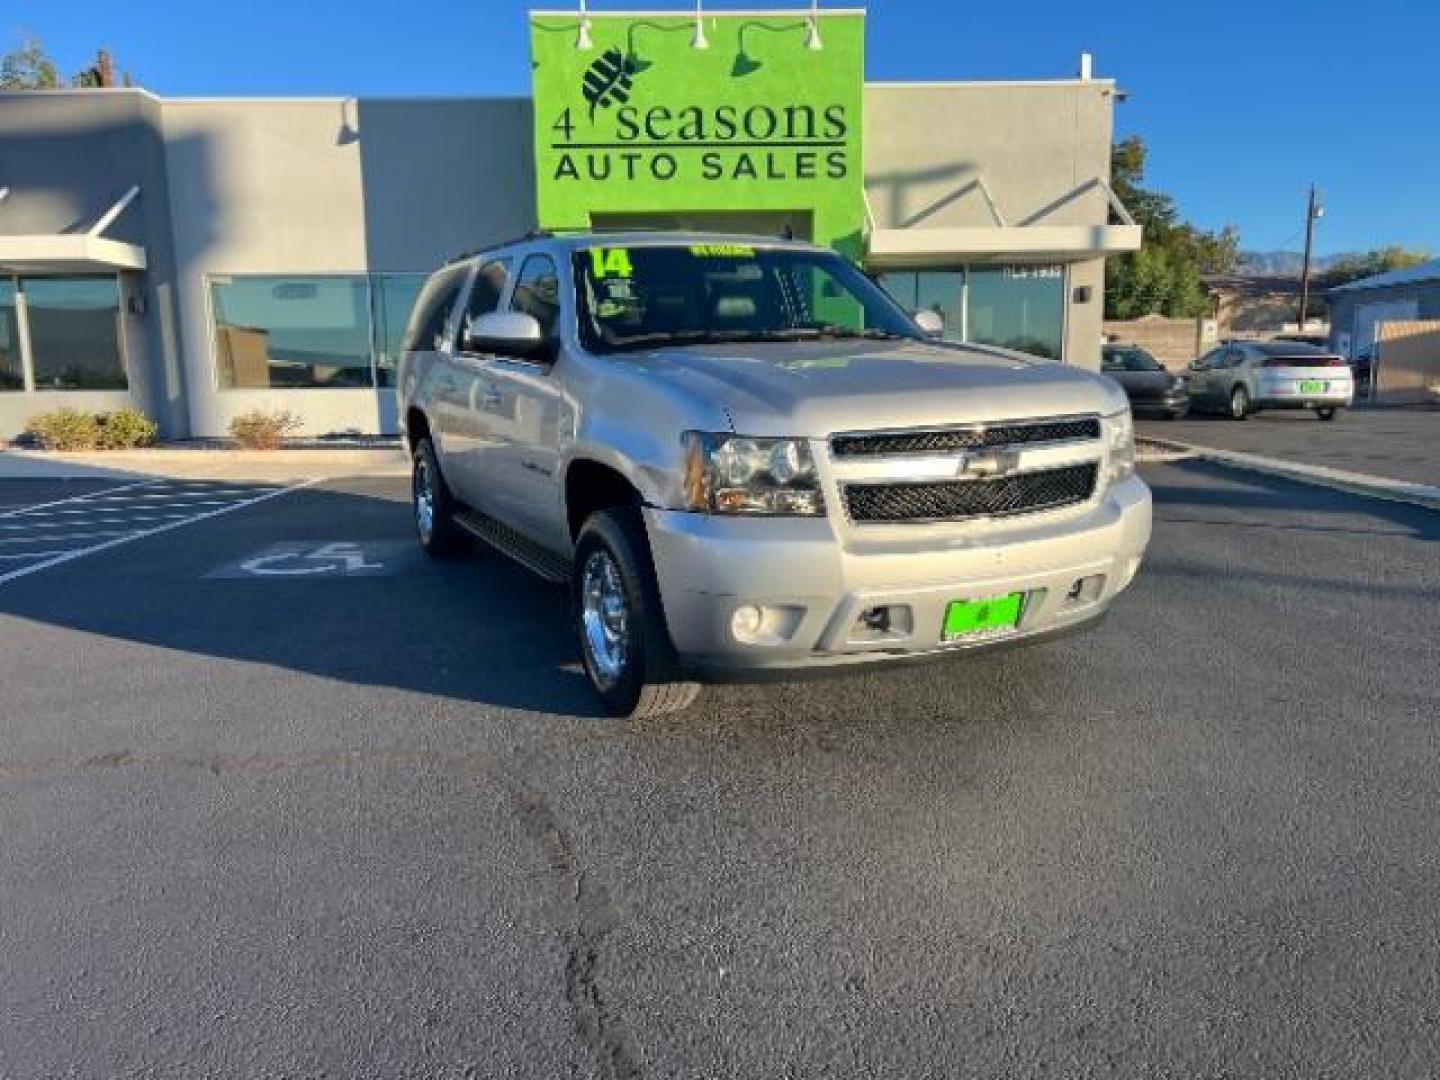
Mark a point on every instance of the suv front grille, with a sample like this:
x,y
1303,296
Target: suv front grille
x,y
951,440
956,500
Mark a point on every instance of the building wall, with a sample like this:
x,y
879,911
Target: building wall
x,y
1035,144
332,186
346,186
1344,304
66,158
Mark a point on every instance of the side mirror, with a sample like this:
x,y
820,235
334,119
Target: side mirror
x,y
930,322
506,333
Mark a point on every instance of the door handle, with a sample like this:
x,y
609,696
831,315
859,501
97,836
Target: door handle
x,y
491,400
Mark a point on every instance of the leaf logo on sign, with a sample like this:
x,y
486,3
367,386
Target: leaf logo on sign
x,y
609,80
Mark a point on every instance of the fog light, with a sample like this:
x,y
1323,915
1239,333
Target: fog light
x,y
745,623
1085,589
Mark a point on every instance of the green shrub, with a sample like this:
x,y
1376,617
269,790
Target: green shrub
x,y
71,429
262,429
65,429
125,429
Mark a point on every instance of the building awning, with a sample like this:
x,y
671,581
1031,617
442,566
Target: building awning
x,y
67,253
1053,243
73,253
1028,241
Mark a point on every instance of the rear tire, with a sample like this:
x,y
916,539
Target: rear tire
x,y
433,506
1239,403
619,622
1327,414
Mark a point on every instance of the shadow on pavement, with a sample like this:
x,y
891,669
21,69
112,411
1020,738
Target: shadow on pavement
x,y
1234,499
477,628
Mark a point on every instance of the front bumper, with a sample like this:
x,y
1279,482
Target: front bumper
x,y
813,584
1170,404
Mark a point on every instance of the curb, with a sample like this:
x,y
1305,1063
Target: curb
x,y
203,463
1376,487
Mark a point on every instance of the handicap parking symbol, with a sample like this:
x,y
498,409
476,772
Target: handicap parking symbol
x,y
299,560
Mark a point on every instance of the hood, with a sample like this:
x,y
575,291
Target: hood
x,y
817,388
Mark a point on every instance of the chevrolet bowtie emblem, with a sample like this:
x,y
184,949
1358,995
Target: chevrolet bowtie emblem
x,y
987,463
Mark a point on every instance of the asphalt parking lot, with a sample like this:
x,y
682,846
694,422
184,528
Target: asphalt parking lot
x,y
282,798
1397,444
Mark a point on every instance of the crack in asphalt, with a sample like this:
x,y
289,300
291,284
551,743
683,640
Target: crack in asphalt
x,y
591,916
592,919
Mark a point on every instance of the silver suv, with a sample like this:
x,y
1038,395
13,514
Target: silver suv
x,y
743,456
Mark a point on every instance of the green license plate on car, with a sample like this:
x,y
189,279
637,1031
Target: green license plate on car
x,y
982,618
1312,386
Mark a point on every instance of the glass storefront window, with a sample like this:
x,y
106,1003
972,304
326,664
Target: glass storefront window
x,y
395,296
292,332
12,375
1017,307
75,332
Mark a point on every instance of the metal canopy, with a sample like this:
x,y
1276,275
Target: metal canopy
x,y
1028,240
73,253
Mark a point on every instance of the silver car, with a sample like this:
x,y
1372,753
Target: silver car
x,y
743,456
1243,377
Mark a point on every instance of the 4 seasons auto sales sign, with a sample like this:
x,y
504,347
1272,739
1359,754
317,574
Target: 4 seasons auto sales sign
x,y
765,116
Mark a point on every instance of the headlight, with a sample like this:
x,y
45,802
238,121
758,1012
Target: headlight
x,y
735,474
1177,383
1120,431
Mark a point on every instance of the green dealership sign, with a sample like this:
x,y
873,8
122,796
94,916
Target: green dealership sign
x,y
632,118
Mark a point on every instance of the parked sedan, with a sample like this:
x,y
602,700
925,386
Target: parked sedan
x,y
1150,388
1242,377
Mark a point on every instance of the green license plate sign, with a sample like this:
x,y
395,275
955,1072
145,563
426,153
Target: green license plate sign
x,y
982,618
1312,386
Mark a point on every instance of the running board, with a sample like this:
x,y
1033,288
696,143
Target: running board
x,y
535,558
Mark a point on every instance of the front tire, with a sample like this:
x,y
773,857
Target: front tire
x,y
615,604
1327,414
433,505
1239,403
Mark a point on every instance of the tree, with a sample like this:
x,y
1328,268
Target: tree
x,y
1379,261
1164,276
27,67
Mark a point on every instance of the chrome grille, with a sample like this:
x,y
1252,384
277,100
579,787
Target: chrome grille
x,y
956,500
953,440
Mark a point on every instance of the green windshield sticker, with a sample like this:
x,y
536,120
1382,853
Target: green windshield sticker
x,y
723,251
610,263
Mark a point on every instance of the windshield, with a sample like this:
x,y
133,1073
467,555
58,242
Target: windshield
x,y
1128,360
655,295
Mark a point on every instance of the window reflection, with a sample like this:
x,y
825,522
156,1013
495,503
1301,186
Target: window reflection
x,y
1018,307
292,332
75,332
12,376
395,296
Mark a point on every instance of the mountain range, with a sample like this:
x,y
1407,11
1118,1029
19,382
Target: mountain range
x,y
1283,263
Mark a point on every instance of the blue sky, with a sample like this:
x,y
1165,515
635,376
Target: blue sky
x,y
1242,104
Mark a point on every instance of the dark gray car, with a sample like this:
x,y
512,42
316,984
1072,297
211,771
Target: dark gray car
x,y
1150,388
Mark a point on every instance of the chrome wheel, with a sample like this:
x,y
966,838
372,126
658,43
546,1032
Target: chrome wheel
x,y
605,618
424,494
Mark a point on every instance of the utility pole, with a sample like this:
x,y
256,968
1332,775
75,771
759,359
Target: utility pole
x,y
1312,212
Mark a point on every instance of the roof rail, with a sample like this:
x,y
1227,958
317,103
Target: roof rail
x,y
533,234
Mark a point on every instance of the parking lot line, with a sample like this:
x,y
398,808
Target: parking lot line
x,y
51,538
74,498
77,553
31,555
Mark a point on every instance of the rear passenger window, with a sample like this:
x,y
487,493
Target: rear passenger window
x,y
426,332
537,292
485,293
